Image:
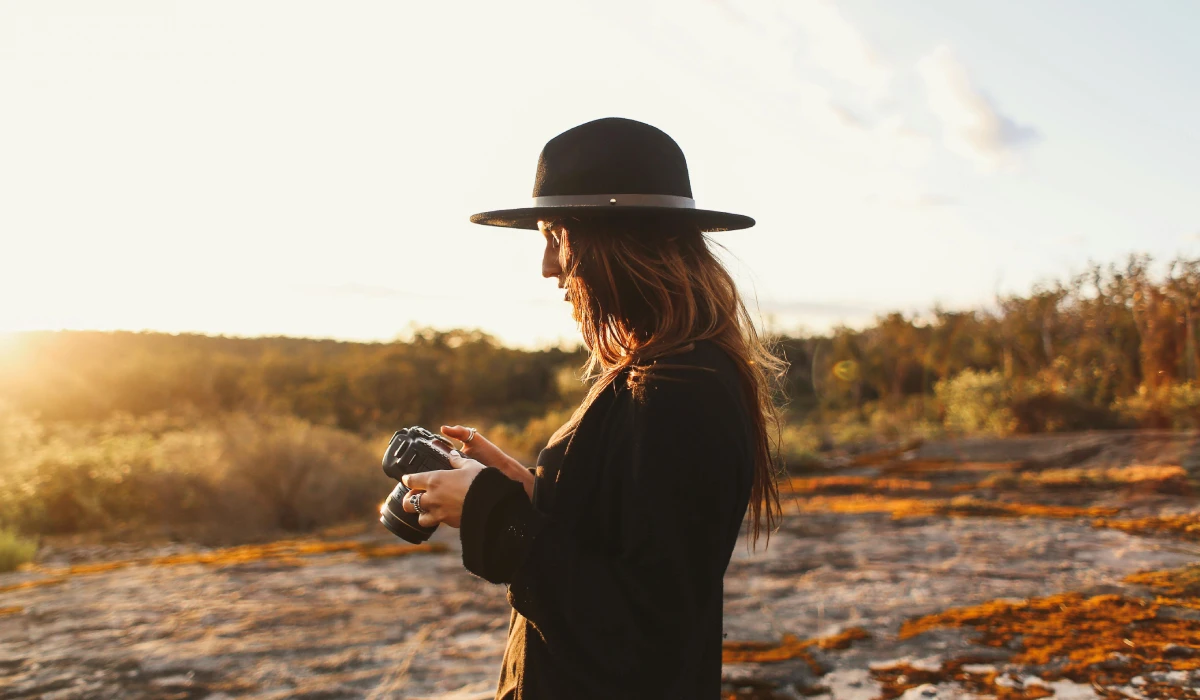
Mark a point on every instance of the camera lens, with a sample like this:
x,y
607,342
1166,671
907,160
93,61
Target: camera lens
x,y
402,524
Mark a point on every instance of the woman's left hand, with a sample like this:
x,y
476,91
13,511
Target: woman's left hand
x,y
444,491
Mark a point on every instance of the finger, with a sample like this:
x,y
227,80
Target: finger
x,y
457,460
406,502
428,519
457,432
462,434
417,482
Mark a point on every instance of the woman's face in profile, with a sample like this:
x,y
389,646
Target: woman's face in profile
x,y
551,266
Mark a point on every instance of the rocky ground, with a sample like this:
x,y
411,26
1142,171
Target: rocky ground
x,y
1043,567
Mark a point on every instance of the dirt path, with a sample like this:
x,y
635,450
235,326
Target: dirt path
x,y
365,622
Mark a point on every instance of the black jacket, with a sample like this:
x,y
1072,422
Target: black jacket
x,y
615,570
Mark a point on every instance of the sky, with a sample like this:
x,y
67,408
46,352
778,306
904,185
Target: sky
x,y
308,168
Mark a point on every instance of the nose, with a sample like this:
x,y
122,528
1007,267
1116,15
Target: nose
x,y
550,264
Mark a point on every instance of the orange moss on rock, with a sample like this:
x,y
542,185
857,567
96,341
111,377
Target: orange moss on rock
x,y
285,553
1102,640
37,583
961,506
1171,479
1182,526
1175,587
10,610
1181,583
789,647
897,679
945,466
851,484
843,639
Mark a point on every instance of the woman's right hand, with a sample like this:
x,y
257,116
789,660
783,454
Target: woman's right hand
x,y
483,451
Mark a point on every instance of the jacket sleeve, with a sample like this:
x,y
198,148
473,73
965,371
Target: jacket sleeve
x,y
616,615
497,526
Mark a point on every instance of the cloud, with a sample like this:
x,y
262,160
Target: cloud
x,y
973,126
837,46
881,140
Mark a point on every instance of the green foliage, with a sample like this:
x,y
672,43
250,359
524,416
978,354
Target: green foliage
x,y
800,447
977,402
15,550
362,387
1071,355
1174,406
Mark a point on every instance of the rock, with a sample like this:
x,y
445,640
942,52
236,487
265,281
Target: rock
x,y
1115,661
1070,690
180,681
1007,681
1171,677
1178,651
340,625
1169,613
851,684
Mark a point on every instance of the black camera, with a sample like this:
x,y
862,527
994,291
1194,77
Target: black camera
x,y
411,450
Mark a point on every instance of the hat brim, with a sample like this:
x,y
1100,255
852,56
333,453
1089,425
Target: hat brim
x,y
704,219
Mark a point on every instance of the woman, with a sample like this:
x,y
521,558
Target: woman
x,y
614,548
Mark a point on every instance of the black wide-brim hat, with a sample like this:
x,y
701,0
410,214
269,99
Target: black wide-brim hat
x,y
613,168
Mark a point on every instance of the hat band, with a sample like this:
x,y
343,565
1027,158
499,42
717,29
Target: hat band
x,y
668,201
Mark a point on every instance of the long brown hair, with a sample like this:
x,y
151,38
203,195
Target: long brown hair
x,y
645,288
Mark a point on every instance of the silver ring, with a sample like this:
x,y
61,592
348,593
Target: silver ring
x,y
471,436
415,499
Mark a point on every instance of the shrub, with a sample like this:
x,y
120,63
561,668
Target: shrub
x,y
231,479
1176,406
15,550
525,442
976,402
799,448
1044,411
297,476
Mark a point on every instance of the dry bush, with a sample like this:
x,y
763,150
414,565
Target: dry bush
x,y
297,476
525,442
233,478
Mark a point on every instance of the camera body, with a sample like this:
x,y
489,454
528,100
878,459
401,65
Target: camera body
x,y
411,450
